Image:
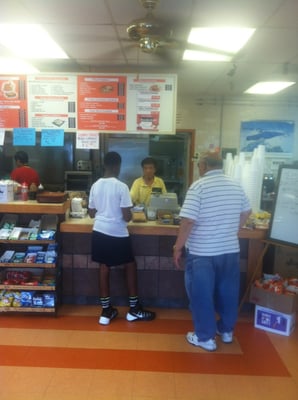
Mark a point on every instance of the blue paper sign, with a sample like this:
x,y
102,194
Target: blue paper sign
x,y
52,137
24,137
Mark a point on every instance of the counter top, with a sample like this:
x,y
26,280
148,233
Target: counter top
x,y
84,225
33,207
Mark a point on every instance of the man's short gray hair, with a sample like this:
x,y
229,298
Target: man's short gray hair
x,y
212,159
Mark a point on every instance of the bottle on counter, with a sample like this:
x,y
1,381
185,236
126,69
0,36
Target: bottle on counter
x,y
24,191
32,191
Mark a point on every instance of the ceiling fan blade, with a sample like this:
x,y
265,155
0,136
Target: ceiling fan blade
x,y
168,57
155,36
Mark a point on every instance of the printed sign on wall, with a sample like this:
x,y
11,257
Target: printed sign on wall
x,y
126,103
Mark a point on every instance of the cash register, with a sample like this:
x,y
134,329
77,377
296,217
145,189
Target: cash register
x,y
167,201
163,207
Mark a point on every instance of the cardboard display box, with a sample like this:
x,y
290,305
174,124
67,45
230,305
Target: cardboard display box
x,y
273,321
283,303
6,192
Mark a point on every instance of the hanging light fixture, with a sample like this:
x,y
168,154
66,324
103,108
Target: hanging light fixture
x,y
148,45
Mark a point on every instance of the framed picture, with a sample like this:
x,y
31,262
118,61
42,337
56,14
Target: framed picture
x,y
277,136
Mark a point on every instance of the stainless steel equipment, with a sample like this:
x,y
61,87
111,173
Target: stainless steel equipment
x,y
77,180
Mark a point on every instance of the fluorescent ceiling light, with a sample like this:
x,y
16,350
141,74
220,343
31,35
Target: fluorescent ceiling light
x,y
16,66
225,39
193,55
268,87
29,41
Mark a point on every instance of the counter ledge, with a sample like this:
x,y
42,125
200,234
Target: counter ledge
x,y
84,225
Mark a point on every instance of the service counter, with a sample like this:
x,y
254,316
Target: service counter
x,y
160,284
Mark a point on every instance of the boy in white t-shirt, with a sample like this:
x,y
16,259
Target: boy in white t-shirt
x,y
110,203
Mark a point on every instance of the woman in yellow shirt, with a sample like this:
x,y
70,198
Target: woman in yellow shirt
x,y
142,187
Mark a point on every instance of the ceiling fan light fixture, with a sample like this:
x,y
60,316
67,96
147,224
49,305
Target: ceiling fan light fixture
x,y
149,4
148,45
149,31
146,27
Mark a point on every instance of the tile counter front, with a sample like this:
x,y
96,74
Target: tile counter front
x,y
160,284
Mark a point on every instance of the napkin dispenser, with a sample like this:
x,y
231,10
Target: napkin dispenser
x,y
77,210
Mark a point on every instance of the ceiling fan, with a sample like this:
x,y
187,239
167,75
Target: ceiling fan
x,y
149,32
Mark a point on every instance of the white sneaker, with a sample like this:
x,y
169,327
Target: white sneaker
x,y
226,337
107,315
209,345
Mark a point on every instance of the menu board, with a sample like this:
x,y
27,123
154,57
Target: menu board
x,y
126,103
52,101
13,103
151,103
284,221
102,103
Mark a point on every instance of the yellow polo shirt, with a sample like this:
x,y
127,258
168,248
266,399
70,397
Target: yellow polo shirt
x,y
141,192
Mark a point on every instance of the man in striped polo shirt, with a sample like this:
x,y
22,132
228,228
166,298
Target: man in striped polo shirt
x,y
215,207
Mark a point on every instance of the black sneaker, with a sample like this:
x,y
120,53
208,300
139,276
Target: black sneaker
x,y
107,315
138,314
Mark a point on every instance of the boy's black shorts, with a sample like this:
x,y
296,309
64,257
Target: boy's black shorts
x,y
111,250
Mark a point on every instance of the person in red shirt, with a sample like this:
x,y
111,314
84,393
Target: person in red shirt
x,y
23,173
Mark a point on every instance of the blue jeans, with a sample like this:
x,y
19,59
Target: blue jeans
x,y
212,285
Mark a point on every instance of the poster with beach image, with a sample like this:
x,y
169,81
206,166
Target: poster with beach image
x,y
277,136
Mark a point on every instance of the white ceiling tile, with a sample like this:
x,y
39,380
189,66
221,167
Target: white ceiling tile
x,y
93,33
68,11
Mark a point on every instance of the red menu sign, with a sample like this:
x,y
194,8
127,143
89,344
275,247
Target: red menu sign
x,y
128,103
13,103
102,103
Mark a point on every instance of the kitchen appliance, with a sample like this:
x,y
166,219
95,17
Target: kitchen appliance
x,y
83,165
76,208
77,180
268,192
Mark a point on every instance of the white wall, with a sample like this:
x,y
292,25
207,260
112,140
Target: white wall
x,y
218,124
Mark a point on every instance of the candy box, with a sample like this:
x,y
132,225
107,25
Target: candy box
x,y
49,300
26,298
37,300
274,321
285,303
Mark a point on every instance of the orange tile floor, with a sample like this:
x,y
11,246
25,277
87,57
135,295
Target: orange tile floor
x,y
71,357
